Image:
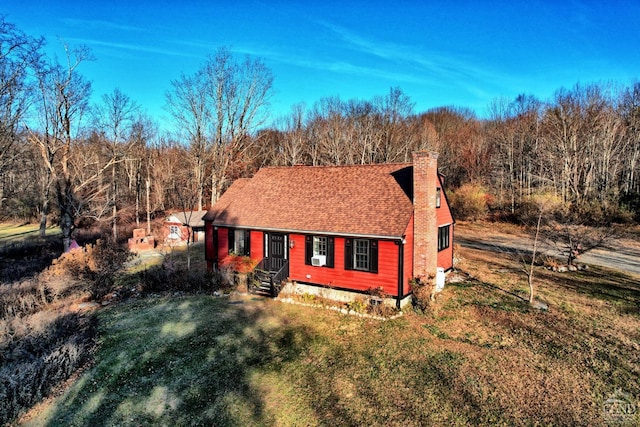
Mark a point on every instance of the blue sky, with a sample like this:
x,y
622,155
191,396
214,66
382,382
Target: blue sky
x,y
458,53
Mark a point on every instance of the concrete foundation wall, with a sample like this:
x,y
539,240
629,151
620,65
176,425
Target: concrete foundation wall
x,y
295,288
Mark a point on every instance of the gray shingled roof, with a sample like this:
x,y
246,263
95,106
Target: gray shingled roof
x,y
191,218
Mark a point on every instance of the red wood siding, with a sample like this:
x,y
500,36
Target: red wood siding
x,y
338,277
223,242
445,257
444,217
443,213
209,251
257,245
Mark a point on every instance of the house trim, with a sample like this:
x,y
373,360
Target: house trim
x,y
311,232
400,244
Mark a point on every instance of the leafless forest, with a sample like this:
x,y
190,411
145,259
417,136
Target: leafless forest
x,y
65,160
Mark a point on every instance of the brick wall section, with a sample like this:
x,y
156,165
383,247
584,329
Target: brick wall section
x,y
425,227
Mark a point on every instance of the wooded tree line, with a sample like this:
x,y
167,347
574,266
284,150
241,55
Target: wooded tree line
x,y
65,160
582,146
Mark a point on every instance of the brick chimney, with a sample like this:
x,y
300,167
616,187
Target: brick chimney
x,y
425,226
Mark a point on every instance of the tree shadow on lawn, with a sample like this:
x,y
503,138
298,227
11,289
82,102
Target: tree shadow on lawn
x,y
619,289
181,361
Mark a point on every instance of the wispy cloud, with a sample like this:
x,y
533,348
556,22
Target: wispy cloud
x,y
426,65
134,47
99,24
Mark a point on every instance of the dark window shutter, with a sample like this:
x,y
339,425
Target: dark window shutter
x,y
231,234
348,254
330,251
215,243
308,249
247,242
373,256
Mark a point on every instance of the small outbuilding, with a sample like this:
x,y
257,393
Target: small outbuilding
x,y
181,226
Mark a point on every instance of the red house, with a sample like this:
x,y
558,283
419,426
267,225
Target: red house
x,y
349,228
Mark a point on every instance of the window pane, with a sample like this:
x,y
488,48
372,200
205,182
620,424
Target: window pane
x,y
319,246
443,237
238,244
361,254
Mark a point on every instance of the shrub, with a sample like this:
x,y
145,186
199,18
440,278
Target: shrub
x,y
377,307
241,264
530,208
630,202
99,264
170,277
470,202
26,259
46,352
358,305
423,288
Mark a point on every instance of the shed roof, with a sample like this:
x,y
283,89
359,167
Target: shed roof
x,y
190,218
368,200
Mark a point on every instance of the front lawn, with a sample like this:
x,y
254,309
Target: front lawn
x,y
480,357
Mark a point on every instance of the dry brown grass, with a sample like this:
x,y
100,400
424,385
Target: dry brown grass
x,y
479,356
553,365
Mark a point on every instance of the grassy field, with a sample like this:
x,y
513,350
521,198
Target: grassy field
x,y
23,253
12,233
480,356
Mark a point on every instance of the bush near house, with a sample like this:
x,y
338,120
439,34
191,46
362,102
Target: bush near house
x,y
469,202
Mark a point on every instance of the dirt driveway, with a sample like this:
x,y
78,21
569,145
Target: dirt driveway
x,y
622,254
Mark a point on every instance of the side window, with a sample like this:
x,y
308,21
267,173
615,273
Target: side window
x,y
438,197
443,237
319,251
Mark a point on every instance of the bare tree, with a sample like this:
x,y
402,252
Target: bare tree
x,y
513,130
239,94
543,206
63,101
187,197
138,164
574,240
191,110
20,56
630,112
394,108
116,116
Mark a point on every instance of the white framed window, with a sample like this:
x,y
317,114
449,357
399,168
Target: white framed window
x,y
319,245
319,250
174,232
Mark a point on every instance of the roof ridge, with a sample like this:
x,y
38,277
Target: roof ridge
x,y
359,165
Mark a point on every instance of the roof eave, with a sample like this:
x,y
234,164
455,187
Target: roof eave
x,y
314,232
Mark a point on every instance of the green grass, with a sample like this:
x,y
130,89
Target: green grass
x,y
12,233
